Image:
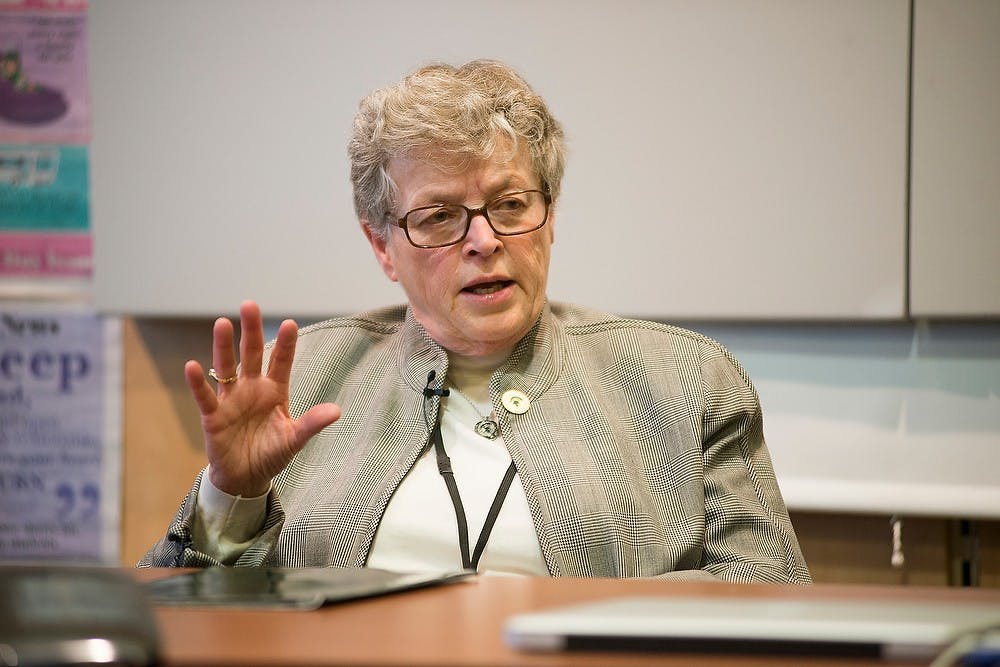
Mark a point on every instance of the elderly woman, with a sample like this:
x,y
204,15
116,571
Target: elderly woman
x,y
479,426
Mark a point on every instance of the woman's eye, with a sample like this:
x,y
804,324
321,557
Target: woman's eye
x,y
436,216
508,205
443,215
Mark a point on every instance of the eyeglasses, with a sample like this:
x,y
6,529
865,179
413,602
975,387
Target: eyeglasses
x,y
510,214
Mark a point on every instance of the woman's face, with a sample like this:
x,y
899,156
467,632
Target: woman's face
x,y
480,296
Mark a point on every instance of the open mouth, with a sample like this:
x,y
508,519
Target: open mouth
x,y
488,288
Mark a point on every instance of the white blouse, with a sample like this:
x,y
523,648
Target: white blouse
x,y
419,530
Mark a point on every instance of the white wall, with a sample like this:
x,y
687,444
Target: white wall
x,y
727,159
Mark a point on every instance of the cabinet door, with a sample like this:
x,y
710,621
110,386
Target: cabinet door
x,y
955,216
727,159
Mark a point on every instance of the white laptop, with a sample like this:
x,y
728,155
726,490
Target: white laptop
x,y
775,626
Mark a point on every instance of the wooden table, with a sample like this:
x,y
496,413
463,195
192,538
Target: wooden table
x,y
461,624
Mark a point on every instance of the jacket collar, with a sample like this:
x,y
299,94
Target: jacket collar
x,y
532,367
420,354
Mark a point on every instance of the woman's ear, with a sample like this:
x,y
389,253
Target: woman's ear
x,y
381,249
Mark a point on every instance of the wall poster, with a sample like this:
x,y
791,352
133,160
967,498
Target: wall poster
x,y
60,434
45,233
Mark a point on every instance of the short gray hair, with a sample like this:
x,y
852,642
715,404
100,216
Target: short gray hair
x,y
455,114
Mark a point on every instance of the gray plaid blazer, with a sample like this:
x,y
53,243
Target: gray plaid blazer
x,y
642,453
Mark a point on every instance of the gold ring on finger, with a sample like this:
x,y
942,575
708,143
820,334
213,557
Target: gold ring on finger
x,y
229,380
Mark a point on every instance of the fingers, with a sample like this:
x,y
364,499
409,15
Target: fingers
x,y
251,339
204,395
223,356
251,344
279,367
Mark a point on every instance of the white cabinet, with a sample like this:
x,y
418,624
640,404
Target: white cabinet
x,y
955,212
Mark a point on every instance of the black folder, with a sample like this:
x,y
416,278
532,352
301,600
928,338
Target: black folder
x,y
287,588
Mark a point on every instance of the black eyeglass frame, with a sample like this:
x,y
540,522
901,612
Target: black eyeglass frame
x,y
473,212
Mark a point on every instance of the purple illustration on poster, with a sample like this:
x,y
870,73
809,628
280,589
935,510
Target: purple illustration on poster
x,y
44,92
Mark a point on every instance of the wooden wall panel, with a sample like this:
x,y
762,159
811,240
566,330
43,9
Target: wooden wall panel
x,y
163,448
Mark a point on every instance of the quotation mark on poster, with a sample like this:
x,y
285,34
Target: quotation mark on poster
x,y
82,503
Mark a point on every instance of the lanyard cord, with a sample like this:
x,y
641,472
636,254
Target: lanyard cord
x,y
444,467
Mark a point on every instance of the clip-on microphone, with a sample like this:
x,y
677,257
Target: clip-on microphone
x,y
430,391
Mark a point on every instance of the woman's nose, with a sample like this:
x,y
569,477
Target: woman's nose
x,y
481,239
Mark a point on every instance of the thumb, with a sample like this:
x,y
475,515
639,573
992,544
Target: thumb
x,y
314,420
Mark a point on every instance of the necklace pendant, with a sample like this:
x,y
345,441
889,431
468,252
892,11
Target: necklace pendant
x,y
487,428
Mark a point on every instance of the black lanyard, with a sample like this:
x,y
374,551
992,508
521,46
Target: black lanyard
x,y
444,467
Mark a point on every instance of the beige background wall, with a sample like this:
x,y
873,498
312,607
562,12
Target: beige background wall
x,y
752,160
163,454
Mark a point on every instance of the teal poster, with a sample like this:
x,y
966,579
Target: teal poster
x,y
44,211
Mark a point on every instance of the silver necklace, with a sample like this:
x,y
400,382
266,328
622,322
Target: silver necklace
x,y
486,427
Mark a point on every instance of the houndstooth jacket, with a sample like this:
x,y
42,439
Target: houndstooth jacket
x,y
642,453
